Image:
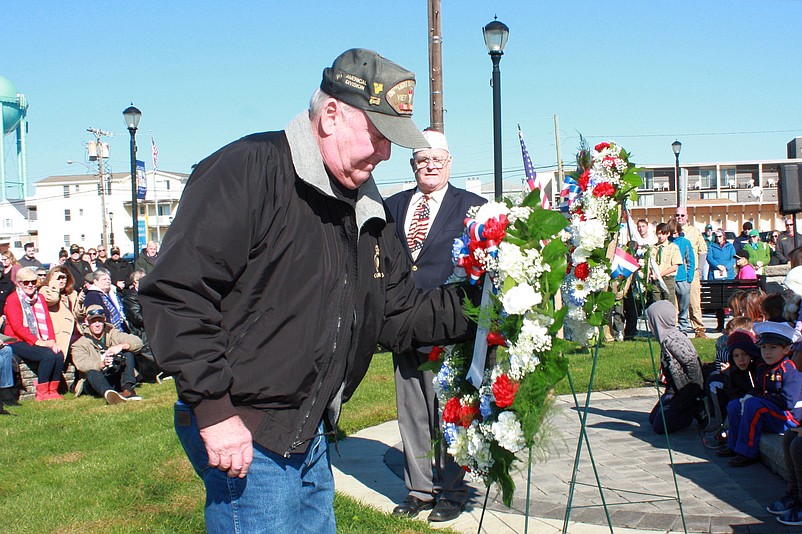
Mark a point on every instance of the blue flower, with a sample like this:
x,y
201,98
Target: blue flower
x,y
445,377
484,406
459,248
450,432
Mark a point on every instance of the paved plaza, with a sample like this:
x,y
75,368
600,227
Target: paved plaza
x,y
633,465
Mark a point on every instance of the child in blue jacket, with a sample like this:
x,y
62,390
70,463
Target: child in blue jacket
x,y
775,403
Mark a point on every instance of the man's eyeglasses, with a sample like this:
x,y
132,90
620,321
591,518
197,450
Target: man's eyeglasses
x,y
29,282
437,163
678,215
101,250
93,253
719,235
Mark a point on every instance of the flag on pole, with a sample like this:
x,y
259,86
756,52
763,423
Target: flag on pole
x,y
623,264
155,153
531,175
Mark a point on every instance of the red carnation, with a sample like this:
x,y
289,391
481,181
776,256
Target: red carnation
x,y
582,271
583,180
494,229
468,413
434,356
505,390
602,146
451,410
496,338
604,189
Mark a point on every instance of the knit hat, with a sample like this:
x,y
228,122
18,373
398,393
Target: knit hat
x,y
754,232
740,339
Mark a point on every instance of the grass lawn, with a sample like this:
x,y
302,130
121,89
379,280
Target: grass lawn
x,y
82,466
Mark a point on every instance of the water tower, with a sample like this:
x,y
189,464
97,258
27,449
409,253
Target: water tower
x,y
13,112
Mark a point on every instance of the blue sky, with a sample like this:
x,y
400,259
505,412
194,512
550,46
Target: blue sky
x,y
722,77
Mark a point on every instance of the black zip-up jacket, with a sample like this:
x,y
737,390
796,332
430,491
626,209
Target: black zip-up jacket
x,y
272,290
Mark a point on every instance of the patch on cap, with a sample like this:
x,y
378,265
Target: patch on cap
x,y
74,249
383,89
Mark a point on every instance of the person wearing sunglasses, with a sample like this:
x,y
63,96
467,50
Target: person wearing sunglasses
x,y
61,300
773,244
28,320
787,240
721,259
104,358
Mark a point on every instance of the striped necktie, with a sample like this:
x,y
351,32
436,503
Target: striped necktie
x,y
419,226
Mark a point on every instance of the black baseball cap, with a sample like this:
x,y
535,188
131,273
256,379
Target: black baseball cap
x,y
384,90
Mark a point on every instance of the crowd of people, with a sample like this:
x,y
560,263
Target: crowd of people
x,y
754,384
81,311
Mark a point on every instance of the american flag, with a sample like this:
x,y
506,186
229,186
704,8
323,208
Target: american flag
x,y
155,153
531,174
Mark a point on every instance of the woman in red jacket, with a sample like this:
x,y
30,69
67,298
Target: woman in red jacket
x,y
28,320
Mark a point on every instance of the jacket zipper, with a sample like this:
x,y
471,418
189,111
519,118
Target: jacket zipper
x,y
297,441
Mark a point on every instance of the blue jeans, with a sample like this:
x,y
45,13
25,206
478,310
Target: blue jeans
x,y
279,494
683,291
6,367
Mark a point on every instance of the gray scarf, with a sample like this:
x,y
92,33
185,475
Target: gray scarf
x,y
28,316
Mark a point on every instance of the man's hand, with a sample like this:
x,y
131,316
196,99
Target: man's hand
x,y
229,446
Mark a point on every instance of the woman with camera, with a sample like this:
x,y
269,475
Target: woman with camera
x,y
104,358
61,300
28,320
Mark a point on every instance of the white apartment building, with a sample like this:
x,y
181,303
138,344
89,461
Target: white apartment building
x,y
69,209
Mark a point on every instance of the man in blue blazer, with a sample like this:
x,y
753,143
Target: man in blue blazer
x,y
428,218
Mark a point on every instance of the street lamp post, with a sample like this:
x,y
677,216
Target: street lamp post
x,y
132,116
111,229
496,34
676,146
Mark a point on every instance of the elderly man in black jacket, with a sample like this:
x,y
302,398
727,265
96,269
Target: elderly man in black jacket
x,y
278,277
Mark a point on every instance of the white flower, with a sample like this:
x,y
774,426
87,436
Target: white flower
x,y
519,213
580,255
521,298
491,210
508,433
592,234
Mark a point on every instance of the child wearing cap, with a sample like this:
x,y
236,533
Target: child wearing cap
x,y
736,379
774,404
745,269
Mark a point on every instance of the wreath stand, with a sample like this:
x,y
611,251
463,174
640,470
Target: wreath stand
x,y
582,413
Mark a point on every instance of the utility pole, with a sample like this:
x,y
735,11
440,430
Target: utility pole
x,y
99,134
560,172
435,68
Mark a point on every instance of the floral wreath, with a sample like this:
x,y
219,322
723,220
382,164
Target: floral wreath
x,y
529,255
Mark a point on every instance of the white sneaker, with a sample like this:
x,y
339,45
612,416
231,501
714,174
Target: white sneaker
x,y
112,397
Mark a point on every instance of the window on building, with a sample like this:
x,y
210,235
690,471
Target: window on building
x,y
728,178
7,223
83,238
66,191
648,179
708,178
32,214
165,210
67,216
66,240
167,185
80,212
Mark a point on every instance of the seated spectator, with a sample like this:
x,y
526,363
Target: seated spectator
x,y
751,304
61,302
722,353
119,268
105,358
772,403
7,396
736,380
28,320
145,362
683,398
100,292
774,307
10,264
745,269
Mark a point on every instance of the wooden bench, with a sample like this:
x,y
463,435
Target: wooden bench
x,y
716,293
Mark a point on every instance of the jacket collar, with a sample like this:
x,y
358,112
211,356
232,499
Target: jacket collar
x,y
309,166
